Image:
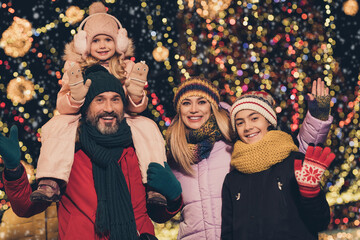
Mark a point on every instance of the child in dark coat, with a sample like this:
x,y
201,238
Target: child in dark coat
x,y
273,192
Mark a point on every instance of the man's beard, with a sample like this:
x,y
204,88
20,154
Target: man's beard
x,y
107,128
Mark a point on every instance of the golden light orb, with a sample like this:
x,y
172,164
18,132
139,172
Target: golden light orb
x,y
16,40
351,7
20,90
160,53
74,14
209,8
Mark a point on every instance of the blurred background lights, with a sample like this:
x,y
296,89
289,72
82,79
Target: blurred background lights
x,y
209,8
20,90
16,40
351,7
277,46
74,14
160,53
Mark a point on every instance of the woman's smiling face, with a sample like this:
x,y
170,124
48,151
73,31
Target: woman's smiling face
x,y
195,111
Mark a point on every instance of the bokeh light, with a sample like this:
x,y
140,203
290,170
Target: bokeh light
x,y
274,45
16,40
20,90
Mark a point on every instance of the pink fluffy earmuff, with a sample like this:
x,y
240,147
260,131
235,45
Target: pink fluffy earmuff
x,y
100,23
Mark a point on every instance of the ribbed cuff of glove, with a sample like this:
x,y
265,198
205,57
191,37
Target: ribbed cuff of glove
x,y
320,107
14,175
309,192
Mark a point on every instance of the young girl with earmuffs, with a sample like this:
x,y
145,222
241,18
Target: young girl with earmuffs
x,y
101,40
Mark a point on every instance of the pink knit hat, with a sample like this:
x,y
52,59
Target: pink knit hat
x,y
99,22
262,102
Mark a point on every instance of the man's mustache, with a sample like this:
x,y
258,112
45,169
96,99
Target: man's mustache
x,y
112,114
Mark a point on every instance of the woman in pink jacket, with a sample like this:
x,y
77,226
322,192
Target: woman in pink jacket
x,y
101,40
200,150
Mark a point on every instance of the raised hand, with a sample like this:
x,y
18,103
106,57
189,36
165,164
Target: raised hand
x,y
78,89
308,173
319,100
136,81
9,149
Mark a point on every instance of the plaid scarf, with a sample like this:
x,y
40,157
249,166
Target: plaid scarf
x,y
201,140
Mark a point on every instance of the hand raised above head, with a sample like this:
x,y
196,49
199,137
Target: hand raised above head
x,y
319,89
319,100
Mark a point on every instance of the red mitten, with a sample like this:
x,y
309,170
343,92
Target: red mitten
x,y
309,172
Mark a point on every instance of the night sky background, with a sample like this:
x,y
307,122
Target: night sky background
x,y
277,46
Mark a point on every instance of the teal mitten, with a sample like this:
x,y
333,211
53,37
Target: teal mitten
x,y
163,181
9,149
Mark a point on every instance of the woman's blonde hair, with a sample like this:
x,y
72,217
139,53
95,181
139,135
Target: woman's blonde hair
x,y
175,136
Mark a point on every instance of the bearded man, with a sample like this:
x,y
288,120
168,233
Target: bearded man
x,y
105,197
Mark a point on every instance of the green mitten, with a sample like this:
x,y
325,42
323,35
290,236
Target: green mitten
x,y
163,181
9,149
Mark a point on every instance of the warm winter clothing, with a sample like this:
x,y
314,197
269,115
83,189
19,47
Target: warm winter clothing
x,y
313,130
58,134
12,155
260,156
201,140
77,207
99,22
262,102
267,205
199,87
201,214
55,161
320,107
309,172
101,81
114,211
163,180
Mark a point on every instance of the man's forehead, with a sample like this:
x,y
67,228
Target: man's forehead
x,y
108,94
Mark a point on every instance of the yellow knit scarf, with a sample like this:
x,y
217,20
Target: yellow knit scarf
x,y
273,148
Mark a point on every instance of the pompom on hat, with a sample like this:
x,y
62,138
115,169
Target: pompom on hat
x,y
99,22
261,102
199,87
